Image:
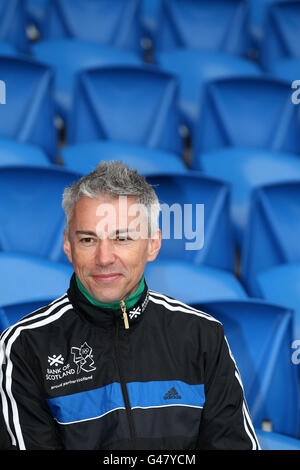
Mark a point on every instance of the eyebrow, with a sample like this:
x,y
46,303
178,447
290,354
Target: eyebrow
x,y
85,232
93,234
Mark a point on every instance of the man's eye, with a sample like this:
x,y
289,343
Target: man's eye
x,y
123,238
86,240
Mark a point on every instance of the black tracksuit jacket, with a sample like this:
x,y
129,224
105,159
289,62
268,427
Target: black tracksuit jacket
x,y
73,377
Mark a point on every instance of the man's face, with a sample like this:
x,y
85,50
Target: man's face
x,y
106,251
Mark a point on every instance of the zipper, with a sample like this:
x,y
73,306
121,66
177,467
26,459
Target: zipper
x,y
124,387
125,316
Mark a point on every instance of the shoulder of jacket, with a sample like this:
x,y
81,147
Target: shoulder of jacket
x,y
43,316
174,305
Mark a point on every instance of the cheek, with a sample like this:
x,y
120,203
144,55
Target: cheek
x,y
137,258
82,258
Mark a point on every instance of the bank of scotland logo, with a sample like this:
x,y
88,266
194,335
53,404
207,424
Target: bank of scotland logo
x,y
83,358
135,312
55,360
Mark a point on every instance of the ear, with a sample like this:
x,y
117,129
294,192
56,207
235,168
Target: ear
x,y
67,246
154,246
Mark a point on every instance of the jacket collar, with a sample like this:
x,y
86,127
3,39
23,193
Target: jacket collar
x,y
106,317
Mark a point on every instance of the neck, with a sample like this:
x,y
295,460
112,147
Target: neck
x,y
129,301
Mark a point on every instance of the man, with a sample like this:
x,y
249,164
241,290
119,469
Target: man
x,y
111,364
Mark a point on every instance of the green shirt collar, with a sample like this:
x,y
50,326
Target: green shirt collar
x,y
129,302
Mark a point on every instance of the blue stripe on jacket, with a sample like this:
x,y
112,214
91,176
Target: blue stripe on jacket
x,y
95,403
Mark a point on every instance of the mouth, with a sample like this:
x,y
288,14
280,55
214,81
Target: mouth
x,y
106,278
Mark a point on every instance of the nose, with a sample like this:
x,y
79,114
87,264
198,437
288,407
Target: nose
x,y
104,255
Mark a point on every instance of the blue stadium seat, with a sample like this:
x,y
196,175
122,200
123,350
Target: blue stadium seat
x,y
4,321
150,14
287,69
245,169
28,115
36,11
7,49
83,158
192,284
276,441
10,314
31,279
118,25
258,10
219,25
70,56
260,335
281,284
126,104
194,68
30,210
247,112
13,24
13,152
281,32
188,233
273,230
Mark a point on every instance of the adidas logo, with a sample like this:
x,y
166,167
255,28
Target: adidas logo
x,y
172,394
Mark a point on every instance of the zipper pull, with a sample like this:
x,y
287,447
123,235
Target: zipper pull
x,y
125,317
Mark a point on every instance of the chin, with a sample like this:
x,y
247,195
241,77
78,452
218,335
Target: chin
x,y
107,298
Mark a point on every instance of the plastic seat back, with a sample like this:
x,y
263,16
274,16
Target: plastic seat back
x,y
273,230
10,314
126,104
36,11
281,285
195,219
31,279
246,169
194,68
189,283
259,335
13,152
13,24
210,24
286,69
118,24
83,158
68,56
28,114
275,441
281,32
32,219
254,112
7,49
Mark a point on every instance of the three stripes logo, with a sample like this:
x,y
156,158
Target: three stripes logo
x,y
172,394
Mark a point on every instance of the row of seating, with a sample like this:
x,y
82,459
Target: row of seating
x,y
146,105
243,27
243,162
31,197
27,197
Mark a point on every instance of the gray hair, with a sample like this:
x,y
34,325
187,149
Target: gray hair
x,y
113,179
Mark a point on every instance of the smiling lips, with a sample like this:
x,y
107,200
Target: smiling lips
x,y
106,278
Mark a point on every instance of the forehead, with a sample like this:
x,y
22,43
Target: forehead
x,y
87,203
89,211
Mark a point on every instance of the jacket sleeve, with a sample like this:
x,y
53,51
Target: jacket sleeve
x,y
27,421
226,422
